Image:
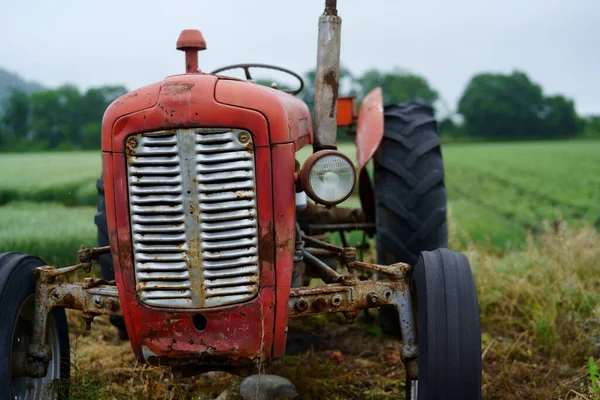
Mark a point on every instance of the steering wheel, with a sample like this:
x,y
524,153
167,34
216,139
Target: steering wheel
x,y
246,68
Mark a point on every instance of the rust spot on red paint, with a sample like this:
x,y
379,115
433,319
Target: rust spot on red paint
x,y
332,81
172,88
152,334
125,98
130,146
288,244
125,253
265,246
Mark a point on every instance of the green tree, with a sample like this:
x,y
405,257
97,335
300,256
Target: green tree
x,y
448,127
46,119
513,107
398,86
70,117
560,117
503,106
15,119
62,118
91,109
592,126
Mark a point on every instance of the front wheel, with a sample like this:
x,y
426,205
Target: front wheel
x,y
17,302
449,334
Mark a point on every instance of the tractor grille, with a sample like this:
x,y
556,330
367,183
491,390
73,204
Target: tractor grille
x,y
193,217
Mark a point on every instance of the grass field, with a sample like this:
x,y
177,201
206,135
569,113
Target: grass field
x,y
497,192
526,214
68,178
539,316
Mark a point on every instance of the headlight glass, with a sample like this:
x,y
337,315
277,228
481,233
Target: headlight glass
x,y
331,178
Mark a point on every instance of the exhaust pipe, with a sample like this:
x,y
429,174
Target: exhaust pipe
x,y
327,78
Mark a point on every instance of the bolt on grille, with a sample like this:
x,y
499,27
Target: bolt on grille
x,y
193,217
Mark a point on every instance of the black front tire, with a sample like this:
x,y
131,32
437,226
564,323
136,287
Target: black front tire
x,y
17,296
449,333
410,196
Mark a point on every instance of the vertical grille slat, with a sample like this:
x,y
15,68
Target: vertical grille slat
x,y
193,217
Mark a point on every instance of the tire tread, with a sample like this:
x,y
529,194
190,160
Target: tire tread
x,y
449,330
410,192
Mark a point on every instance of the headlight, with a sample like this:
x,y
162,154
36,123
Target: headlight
x,y
328,177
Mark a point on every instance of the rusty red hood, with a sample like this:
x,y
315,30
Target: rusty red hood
x,y
194,100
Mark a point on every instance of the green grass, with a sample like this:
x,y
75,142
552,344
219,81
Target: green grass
x,y
49,230
497,192
67,178
537,293
539,319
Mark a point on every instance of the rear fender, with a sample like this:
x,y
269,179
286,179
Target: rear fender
x,y
369,132
369,127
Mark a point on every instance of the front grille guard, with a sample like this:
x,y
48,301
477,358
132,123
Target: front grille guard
x,y
193,217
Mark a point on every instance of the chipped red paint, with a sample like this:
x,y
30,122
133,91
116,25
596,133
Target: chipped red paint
x,y
288,116
369,127
284,211
241,332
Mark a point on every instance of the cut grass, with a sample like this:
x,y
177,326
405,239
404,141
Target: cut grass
x,y
536,304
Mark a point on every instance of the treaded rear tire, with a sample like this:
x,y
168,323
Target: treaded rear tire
x,y
410,196
448,327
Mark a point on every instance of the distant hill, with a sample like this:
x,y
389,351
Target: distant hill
x,y
10,80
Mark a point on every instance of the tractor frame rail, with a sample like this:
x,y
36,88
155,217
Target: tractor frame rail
x,y
342,293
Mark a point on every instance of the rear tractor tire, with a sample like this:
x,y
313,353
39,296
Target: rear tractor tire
x,y
410,196
17,302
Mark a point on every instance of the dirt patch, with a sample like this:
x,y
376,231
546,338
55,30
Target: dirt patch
x,y
327,359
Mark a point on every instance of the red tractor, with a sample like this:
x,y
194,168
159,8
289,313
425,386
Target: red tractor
x,y
210,241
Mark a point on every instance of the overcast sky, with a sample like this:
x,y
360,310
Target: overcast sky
x,y
92,43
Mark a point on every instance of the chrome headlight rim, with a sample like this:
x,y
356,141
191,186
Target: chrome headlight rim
x,y
307,168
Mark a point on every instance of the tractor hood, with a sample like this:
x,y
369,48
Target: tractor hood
x,y
202,100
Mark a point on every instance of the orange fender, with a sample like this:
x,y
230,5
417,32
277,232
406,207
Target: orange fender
x,y
369,132
369,127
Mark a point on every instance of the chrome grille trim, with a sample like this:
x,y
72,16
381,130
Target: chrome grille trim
x,y
193,217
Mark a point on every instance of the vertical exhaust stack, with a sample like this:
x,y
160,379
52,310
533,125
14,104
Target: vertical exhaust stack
x,y
327,78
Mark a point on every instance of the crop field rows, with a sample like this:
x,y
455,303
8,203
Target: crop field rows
x,y
497,194
502,191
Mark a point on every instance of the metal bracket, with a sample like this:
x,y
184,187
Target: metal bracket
x,y
353,295
92,296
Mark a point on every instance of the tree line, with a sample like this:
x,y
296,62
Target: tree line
x,y
493,106
55,119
